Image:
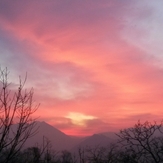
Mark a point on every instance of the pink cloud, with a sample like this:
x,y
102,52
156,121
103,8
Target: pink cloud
x,y
81,58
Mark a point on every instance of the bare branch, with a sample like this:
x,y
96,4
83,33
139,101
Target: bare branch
x,y
16,110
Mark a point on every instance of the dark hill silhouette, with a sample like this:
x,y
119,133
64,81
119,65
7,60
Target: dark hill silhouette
x,y
96,140
61,141
58,139
110,135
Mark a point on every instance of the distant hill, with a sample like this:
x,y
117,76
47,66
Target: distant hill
x,y
111,135
58,139
96,140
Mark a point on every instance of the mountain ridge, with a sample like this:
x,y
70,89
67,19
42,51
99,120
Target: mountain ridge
x,y
60,141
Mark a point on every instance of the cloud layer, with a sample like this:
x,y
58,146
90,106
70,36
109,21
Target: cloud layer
x,y
101,61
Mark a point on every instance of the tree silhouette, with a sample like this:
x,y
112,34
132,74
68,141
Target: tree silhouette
x,y
143,142
16,123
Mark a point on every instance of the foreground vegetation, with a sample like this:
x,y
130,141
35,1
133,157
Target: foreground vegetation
x,y
143,143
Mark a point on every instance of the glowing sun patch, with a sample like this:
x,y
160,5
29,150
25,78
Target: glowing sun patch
x,y
79,118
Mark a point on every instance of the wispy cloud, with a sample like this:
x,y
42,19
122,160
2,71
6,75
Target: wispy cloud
x,y
102,60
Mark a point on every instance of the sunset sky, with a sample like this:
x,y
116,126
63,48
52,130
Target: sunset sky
x,y
95,65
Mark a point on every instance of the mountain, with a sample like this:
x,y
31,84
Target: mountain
x,y
58,139
96,140
111,135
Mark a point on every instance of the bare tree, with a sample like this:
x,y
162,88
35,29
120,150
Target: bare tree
x,y
40,153
67,157
99,154
30,155
16,109
143,142
46,150
95,154
81,153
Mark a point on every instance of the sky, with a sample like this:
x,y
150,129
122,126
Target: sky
x,y
95,65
